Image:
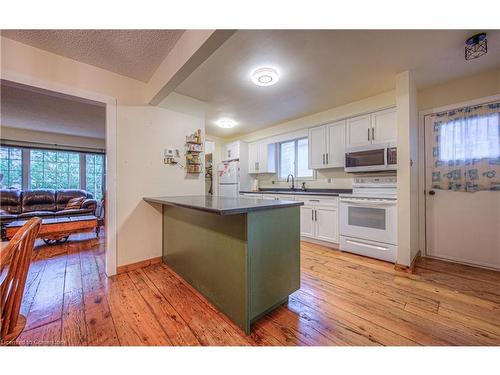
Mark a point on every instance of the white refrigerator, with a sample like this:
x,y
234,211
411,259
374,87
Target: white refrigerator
x,y
229,178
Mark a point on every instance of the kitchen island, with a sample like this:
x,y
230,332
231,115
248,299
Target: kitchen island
x,y
242,254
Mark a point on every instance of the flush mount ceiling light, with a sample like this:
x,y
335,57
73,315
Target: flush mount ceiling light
x,y
265,76
226,123
476,46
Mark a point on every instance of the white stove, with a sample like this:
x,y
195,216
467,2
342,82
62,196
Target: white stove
x,y
368,218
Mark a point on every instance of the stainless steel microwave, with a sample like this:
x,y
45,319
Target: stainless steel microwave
x,y
371,158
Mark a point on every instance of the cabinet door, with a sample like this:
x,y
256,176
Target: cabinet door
x,y
327,224
253,157
306,221
384,126
336,144
266,162
359,131
317,148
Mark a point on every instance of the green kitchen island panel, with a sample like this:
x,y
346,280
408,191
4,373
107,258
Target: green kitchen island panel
x,y
242,254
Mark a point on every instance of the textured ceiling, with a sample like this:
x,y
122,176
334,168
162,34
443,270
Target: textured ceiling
x,y
132,53
321,69
24,108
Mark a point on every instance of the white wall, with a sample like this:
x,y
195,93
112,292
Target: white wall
x,y
143,133
32,136
460,90
407,121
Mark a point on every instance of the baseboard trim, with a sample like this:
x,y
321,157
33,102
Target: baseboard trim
x,y
332,245
408,269
134,266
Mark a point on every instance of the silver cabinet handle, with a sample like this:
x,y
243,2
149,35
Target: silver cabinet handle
x,y
312,215
373,134
258,165
323,158
368,133
313,200
315,215
327,158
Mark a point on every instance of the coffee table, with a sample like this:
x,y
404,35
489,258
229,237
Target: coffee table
x,y
57,230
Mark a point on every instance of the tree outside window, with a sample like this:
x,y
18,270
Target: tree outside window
x,y
294,159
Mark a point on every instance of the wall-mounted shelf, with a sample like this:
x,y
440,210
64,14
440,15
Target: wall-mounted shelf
x,y
194,150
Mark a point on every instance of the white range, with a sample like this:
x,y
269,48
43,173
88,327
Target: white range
x,y
368,218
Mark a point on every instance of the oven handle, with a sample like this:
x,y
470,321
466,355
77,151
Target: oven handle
x,y
368,203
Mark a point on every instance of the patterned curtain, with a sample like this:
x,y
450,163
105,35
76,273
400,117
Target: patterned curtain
x,y
466,149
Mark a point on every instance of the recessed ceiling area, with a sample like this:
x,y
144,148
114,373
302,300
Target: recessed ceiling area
x,y
132,53
321,69
24,107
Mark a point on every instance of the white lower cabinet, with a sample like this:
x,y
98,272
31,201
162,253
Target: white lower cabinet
x,y
327,225
307,221
319,218
269,197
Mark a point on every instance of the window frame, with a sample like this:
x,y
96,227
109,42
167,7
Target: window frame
x,y
9,159
26,164
296,146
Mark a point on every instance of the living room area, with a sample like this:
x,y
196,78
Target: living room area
x,y
52,166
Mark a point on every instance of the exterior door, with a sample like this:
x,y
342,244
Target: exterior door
x,y
384,126
306,221
327,224
317,148
336,144
359,131
460,226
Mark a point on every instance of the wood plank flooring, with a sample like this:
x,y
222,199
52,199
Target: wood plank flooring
x,y
344,300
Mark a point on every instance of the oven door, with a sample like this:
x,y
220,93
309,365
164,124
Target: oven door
x,y
366,160
374,220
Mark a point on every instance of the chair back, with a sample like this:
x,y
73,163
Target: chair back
x,y
17,255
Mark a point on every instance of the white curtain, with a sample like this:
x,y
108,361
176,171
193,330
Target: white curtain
x,y
466,149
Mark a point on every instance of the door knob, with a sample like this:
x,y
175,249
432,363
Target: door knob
x,y
432,192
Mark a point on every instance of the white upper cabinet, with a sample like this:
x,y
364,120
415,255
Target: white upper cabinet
x,y
335,135
384,126
261,157
359,131
253,157
231,151
374,128
327,146
317,147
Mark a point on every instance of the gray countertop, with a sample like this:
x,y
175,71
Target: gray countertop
x,y
325,192
222,205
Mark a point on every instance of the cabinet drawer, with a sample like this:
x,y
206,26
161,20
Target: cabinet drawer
x,y
317,200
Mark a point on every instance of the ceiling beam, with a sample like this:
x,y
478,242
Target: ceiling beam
x,y
190,51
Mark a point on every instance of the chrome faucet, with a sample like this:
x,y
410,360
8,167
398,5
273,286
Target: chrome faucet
x,y
293,180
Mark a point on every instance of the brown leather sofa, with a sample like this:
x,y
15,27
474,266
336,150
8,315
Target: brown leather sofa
x,y
46,203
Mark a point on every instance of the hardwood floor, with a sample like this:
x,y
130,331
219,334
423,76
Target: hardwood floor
x,y
344,300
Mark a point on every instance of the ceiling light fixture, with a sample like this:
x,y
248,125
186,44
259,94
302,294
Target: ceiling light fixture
x,y
265,76
476,46
226,123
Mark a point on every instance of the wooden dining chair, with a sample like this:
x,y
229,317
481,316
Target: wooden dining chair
x,y
17,256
